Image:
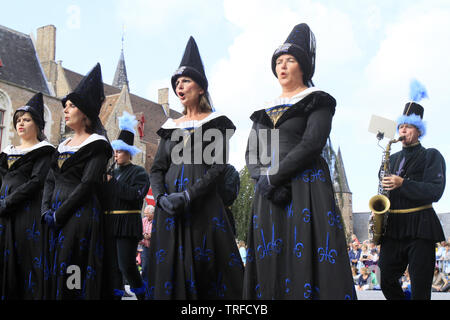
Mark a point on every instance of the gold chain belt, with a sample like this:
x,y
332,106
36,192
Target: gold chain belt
x,y
428,206
122,211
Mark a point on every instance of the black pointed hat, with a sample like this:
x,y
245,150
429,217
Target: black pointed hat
x,y
191,66
88,96
301,43
35,106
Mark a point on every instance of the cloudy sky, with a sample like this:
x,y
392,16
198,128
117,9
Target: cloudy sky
x,y
367,53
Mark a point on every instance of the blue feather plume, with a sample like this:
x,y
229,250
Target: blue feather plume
x,y
127,122
417,91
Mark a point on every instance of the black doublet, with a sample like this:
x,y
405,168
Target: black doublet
x,y
410,238
423,171
126,192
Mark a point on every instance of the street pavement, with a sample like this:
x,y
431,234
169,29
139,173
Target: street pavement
x,y
378,295
362,295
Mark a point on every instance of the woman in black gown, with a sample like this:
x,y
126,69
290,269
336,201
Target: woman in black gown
x,y
193,253
296,242
71,208
23,169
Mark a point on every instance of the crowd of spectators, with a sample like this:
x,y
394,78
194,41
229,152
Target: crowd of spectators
x,y
366,273
364,263
441,277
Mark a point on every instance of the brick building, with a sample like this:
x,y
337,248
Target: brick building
x,y
29,65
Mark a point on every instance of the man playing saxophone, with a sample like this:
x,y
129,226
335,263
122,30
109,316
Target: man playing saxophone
x,y
417,180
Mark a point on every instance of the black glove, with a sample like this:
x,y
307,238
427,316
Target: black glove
x,y
179,200
165,204
282,195
264,187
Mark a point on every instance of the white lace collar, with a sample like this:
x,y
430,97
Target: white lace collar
x,y
13,150
63,147
289,101
171,124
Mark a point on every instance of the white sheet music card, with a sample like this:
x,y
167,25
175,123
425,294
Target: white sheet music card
x,y
382,127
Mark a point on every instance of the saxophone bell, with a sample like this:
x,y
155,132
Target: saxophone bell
x,y
379,204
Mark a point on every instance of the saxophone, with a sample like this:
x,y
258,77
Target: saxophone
x,y
379,204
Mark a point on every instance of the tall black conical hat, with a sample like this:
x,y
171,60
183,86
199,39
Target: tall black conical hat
x,y
301,43
191,66
35,106
88,96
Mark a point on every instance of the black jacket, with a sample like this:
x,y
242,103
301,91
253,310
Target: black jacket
x,y
126,191
423,171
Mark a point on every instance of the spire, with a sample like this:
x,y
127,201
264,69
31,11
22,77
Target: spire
x,y
336,166
120,77
329,156
340,170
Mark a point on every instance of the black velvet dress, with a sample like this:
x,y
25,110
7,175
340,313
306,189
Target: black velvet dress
x,y
193,255
297,250
21,233
75,248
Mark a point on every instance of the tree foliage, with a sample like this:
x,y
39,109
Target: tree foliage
x,y
242,206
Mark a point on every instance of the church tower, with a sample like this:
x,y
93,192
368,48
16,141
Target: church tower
x,y
341,188
343,194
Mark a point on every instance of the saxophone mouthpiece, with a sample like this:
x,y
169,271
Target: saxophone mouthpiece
x,y
401,138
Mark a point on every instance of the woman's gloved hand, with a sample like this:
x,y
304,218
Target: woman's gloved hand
x,y
163,202
179,200
264,187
